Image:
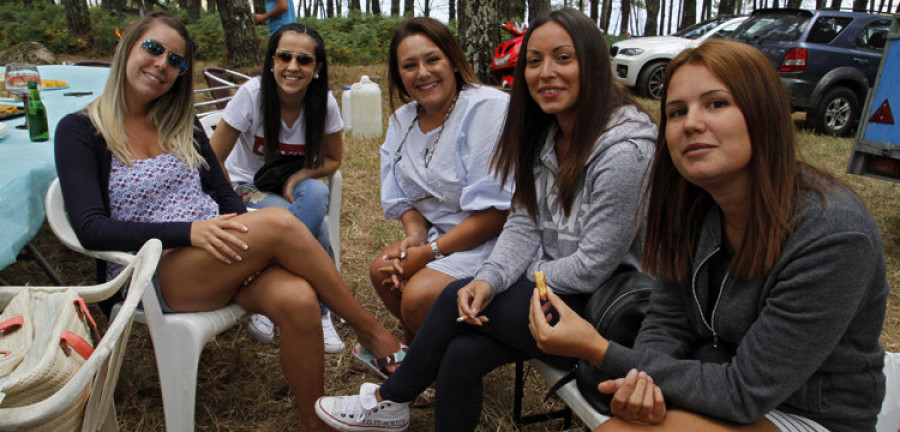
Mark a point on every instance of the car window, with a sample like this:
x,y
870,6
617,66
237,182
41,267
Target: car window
x,y
727,31
827,28
779,27
873,36
699,29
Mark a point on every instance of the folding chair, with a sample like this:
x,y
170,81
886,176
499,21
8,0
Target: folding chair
x,y
100,372
221,84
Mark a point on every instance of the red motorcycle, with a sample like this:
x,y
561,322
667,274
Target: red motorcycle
x,y
507,54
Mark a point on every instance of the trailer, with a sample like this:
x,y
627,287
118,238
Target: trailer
x,y
876,152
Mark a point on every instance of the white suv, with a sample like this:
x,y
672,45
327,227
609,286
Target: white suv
x,y
640,62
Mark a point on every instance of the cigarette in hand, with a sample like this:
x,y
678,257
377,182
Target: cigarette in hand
x,y
461,319
540,281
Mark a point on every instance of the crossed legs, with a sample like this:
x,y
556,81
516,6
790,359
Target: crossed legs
x,y
294,274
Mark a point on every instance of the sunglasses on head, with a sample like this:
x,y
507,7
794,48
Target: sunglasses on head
x,y
302,58
156,49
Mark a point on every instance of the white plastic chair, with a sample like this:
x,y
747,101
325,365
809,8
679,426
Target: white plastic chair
x,y
101,370
178,338
888,419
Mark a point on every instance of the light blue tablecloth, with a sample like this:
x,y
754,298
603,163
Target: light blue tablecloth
x,y
27,168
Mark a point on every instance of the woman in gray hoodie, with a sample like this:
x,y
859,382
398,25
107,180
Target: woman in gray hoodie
x,y
773,288
577,148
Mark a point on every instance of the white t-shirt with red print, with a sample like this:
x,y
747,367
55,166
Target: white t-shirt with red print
x,y
244,113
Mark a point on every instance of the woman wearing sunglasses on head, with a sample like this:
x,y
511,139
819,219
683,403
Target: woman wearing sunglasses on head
x,y
435,171
135,165
287,113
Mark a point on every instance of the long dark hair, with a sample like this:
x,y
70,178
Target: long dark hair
x,y
315,102
776,174
441,36
525,130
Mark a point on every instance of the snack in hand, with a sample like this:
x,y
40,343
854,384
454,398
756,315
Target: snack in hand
x,y
540,281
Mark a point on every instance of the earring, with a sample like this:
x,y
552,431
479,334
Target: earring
x,y
272,70
315,77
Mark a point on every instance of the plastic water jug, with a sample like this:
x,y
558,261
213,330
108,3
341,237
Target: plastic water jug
x,y
365,109
345,109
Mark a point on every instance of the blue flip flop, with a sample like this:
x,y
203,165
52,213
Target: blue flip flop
x,y
379,364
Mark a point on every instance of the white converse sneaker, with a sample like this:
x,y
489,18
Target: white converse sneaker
x,y
333,342
261,328
363,412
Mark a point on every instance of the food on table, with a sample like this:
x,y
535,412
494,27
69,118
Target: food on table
x,y
53,83
8,109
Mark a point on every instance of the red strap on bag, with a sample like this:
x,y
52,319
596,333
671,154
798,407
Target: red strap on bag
x,y
12,324
87,319
69,341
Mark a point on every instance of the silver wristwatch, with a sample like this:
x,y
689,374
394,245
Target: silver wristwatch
x,y
437,253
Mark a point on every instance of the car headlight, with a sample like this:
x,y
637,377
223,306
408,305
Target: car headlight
x,y
631,51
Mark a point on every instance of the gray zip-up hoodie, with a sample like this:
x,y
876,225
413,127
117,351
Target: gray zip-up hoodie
x,y
801,338
603,230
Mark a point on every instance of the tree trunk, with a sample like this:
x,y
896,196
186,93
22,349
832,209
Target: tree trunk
x,y
625,5
376,7
259,6
240,43
688,13
477,41
395,7
426,10
794,3
537,7
650,28
193,10
726,7
78,20
112,5
354,6
409,8
211,6
595,11
606,18
451,10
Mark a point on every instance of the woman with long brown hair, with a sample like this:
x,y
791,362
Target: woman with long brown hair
x,y
772,285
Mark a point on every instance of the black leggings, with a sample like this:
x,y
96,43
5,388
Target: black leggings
x,y
457,355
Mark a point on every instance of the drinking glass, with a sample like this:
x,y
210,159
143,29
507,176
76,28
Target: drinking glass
x,y
17,77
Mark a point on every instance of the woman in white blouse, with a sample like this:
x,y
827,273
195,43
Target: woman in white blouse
x,y
435,171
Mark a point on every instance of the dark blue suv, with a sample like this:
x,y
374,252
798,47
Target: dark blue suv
x,y
827,59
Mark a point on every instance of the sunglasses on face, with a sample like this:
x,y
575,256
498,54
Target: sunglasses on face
x,y
302,59
157,49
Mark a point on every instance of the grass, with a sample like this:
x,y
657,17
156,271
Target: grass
x,y
240,383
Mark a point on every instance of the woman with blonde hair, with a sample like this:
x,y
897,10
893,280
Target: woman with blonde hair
x,y
136,165
772,286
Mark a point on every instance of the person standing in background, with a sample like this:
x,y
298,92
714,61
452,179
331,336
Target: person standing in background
x,y
278,13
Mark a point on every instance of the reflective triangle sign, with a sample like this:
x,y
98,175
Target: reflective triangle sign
x,y
883,114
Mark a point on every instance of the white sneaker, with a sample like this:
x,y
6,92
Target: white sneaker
x,y
363,412
261,328
333,342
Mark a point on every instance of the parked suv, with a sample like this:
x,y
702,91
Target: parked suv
x,y
640,62
827,59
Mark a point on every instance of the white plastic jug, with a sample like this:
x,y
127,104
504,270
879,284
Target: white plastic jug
x,y
346,114
365,109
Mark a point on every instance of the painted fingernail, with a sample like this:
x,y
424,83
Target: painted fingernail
x,y
227,261
384,258
245,229
238,257
643,374
245,246
402,255
631,374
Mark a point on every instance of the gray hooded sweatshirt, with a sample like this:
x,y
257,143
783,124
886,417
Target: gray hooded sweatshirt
x,y
604,228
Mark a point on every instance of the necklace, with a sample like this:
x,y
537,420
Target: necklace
x,y
398,155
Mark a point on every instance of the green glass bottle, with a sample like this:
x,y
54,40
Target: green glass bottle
x,y
37,115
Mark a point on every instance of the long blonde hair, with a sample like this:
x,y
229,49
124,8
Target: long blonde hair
x,y
170,114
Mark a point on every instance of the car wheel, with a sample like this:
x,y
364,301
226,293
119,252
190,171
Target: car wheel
x,y
837,113
650,82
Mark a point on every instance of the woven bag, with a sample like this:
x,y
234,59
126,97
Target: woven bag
x,y
60,344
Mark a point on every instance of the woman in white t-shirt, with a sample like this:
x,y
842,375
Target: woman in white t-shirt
x,y
288,112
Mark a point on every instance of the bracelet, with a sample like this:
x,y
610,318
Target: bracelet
x,y
436,251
